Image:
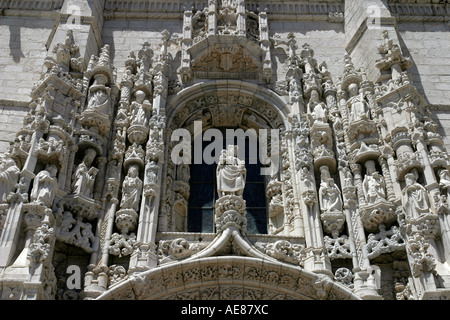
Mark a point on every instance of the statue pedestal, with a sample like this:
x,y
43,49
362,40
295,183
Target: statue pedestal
x,y
143,258
230,211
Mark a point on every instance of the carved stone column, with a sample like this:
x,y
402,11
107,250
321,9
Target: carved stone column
x,y
240,23
212,17
11,233
186,43
265,45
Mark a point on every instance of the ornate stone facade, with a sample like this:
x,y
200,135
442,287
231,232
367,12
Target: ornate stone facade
x,y
355,208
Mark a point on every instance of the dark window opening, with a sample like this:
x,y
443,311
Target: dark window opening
x,y
203,194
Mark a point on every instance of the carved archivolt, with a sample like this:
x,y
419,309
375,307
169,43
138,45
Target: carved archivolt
x,y
218,277
231,103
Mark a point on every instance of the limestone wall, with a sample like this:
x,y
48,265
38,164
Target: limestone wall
x,y
22,53
428,44
11,121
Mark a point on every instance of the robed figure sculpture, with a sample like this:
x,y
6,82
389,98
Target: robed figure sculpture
x,y
231,173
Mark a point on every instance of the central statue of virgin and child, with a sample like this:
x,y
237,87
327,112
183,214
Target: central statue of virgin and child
x,y
231,173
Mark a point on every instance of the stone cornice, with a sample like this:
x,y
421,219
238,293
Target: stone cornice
x,y
43,5
291,10
14,103
418,11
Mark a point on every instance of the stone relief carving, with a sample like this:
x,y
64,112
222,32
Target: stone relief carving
x,y
338,247
41,245
284,251
385,241
122,244
76,232
178,249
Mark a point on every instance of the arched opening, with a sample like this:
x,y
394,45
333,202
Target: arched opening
x,y
203,183
229,278
190,190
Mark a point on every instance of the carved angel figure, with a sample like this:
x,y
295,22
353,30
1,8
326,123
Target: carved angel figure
x,y
231,173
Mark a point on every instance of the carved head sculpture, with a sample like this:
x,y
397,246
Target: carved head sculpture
x,y
325,173
370,166
133,171
314,96
444,176
232,150
89,157
410,179
353,89
9,162
52,170
100,79
330,182
140,96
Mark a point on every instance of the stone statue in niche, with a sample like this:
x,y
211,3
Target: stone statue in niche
x,y
308,179
374,185
316,109
183,173
444,179
83,178
358,106
329,194
294,90
45,186
415,196
9,176
131,189
152,172
138,114
231,173
99,99
348,177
